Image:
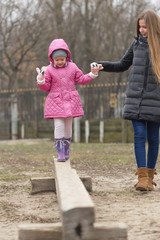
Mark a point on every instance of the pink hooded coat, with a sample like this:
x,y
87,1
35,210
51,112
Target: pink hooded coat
x,y
63,100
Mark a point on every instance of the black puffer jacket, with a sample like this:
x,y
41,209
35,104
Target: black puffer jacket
x,y
143,92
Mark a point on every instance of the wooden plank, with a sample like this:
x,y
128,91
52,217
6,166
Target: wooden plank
x,y
47,184
48,231
76,206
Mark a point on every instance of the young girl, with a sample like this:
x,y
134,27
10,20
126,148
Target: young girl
x,y
63,101
142,104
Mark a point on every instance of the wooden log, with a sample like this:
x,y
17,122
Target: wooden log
x,y
47,184
76,206
48,231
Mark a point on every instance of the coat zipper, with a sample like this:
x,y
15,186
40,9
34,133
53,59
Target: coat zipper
x,y
144,82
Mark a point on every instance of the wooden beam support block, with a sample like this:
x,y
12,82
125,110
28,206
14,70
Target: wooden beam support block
x,y
48,231
47,184
87,182
107,231
53,231
76,206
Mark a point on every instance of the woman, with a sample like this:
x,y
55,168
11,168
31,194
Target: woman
x,y
142,103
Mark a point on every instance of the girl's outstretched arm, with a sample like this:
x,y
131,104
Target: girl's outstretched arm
x,y
43,79
40,76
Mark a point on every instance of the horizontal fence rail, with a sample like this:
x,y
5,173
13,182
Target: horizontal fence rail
x,y
26,106
98,100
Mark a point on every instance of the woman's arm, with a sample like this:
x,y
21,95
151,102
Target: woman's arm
x,y
122,65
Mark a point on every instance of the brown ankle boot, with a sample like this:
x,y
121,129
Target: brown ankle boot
x,y
151,183
142,184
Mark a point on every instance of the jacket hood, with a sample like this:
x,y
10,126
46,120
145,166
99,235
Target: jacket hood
x,y
59,44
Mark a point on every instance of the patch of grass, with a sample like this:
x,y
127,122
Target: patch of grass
x,y
121,158
123,192
103,154
7,208
2,185
2,156
3,173
36,158
27,188
10,178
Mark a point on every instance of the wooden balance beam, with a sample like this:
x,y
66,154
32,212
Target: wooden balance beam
x,y
77,213
76,206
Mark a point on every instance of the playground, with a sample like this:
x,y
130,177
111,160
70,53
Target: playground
x,y
112,169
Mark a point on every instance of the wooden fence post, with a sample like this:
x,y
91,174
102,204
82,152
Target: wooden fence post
x,y
77,130
87,131
14,118
101,131
22,130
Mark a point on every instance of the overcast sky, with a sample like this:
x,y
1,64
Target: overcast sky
x,y
155,2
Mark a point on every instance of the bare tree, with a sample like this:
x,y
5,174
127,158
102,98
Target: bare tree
x,y
93,29
18,37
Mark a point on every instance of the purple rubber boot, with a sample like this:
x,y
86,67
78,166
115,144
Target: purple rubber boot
x,y
60,149
67,142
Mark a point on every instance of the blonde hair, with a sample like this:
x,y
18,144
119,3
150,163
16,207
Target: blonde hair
x,y
152,22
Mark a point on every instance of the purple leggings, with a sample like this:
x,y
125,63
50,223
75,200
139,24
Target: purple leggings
x,y
146,131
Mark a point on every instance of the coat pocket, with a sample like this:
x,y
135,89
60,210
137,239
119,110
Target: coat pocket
x,y
55,95
76,103
54,103
74,94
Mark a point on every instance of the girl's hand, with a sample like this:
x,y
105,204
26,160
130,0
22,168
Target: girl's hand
x,y
41,72
95,68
